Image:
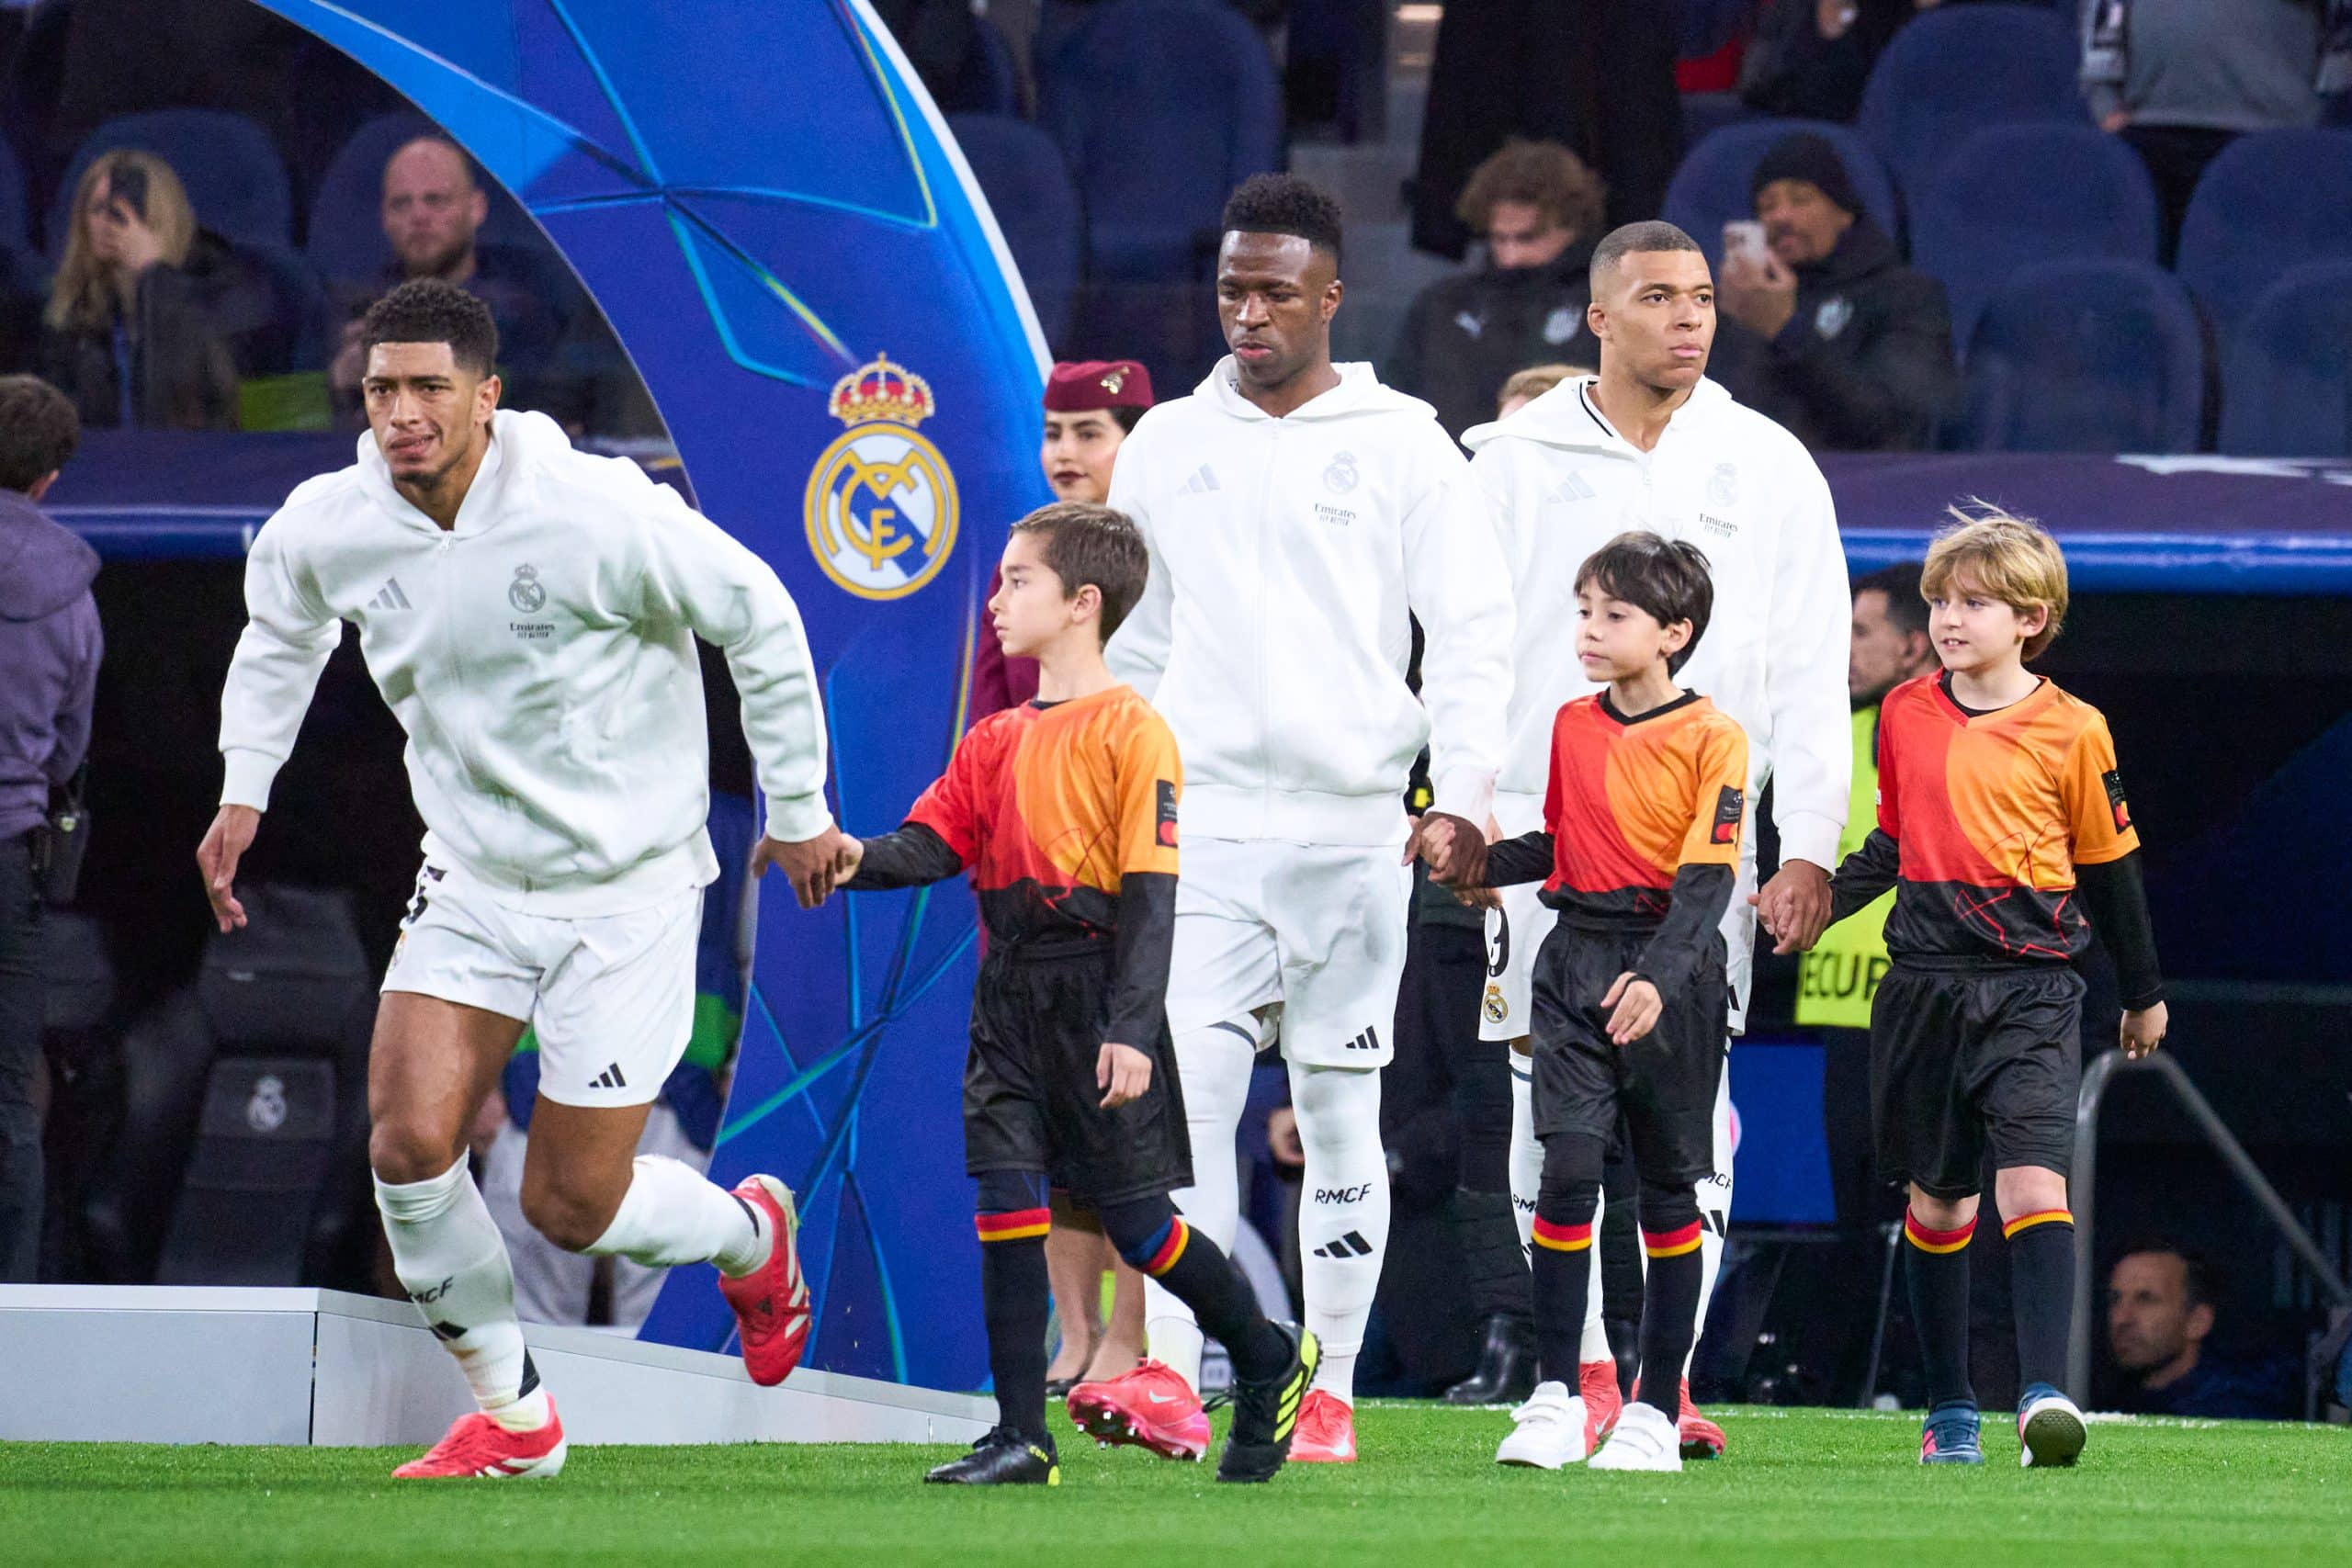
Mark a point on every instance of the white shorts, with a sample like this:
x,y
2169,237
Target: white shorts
x,y
1317,929
1519,928
612,997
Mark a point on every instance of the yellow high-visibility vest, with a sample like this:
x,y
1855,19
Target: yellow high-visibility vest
x,y
1841,973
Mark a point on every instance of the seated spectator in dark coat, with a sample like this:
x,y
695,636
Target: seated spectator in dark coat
x,y
1539,209
130,333
433,212
2159,1313
1829,332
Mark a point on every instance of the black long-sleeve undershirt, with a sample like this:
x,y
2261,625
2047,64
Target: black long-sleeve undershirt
x,y
1700,896
910,856
2116,902
1527,858
1139,965
1861,876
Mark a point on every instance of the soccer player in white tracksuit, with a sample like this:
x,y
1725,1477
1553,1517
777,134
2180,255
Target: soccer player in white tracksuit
x,y
529,614
1651,444
1299,515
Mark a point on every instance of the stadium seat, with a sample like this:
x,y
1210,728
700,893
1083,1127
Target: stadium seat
x,y
2268,203
235,179
1161,107
2087,356
989,82
246,1098
295,336
2015,194
345,238
2285,392
1710,189
15,221
1022,173
1961,67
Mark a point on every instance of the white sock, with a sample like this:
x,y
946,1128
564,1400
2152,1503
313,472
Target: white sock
x,y
1526,1153
1714,1211
1212,1064
1342,1214
451,1261
672,1213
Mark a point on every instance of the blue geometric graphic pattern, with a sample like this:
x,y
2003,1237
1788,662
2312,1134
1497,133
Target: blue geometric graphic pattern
x,y
760,199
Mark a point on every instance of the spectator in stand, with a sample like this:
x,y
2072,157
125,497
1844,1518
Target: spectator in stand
x,y
1090,407
1539,209
433,212
50,648
1525,386
1809,58
1827,331
2164,76
2159,1314
130,333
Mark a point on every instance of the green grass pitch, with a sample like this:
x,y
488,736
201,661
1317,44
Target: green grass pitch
x,y
1804,1487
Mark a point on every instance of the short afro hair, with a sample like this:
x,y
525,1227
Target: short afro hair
x,y
39,430
1636,239
1284,204
425,309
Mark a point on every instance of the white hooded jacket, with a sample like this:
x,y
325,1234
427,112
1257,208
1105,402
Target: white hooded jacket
x,y
1274,634
1560,483
540,656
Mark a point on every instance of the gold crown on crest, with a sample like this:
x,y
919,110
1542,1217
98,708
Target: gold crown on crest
x,y
881,391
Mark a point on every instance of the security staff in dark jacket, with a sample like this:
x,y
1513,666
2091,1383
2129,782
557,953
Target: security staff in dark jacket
x,y
49,651
1830,335
1539,209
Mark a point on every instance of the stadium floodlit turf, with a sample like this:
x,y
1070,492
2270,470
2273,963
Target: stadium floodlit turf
x,y
1808,1487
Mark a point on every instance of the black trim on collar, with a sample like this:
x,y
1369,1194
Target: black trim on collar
x,y
1684,700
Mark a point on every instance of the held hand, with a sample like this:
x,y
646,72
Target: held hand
x,y
1761,297
813,864
1638,1006
225,843
137,246
1456,849
2143,1031
1122,1073
1795,905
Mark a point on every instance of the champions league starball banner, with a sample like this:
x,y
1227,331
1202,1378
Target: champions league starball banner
x,y
769,210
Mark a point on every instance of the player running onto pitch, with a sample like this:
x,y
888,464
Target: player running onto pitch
x,y
529,614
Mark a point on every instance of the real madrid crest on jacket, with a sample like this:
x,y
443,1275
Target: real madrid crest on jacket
x,y
881,502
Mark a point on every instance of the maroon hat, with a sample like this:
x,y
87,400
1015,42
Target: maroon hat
x,y
1078,386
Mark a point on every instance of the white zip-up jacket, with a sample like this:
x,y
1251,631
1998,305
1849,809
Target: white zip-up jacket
x,y
1560,483
1274,634
540,655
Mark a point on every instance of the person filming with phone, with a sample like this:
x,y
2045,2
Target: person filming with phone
x,y
1821,326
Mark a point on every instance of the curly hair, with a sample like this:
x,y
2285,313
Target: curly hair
x,y
1284,204
1544,175
39,430
425,309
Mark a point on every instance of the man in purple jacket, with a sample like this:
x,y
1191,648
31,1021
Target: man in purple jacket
x,y
50,648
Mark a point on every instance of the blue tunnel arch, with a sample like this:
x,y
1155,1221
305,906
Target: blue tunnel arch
x,y
770,211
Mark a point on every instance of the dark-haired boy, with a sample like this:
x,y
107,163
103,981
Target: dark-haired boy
x,y
529,614
1638,853
1065,809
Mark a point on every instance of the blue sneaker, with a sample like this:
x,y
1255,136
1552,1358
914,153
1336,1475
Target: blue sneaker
x,y
2049,1428
1950,1437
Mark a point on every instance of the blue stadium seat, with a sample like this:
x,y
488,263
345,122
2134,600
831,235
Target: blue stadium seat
x,y
1961,67
1710,189
1028,187
2284,390
990,81
16,219
347,227
2085,355
1161,107
235,179
2269,202
296,338
2015,194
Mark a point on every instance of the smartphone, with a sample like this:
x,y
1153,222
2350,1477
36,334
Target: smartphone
x,y
1745,237
127,185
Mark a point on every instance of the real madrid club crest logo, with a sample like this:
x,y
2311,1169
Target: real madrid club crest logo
x,y
881,503
1497,1008
1341,477
525,593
